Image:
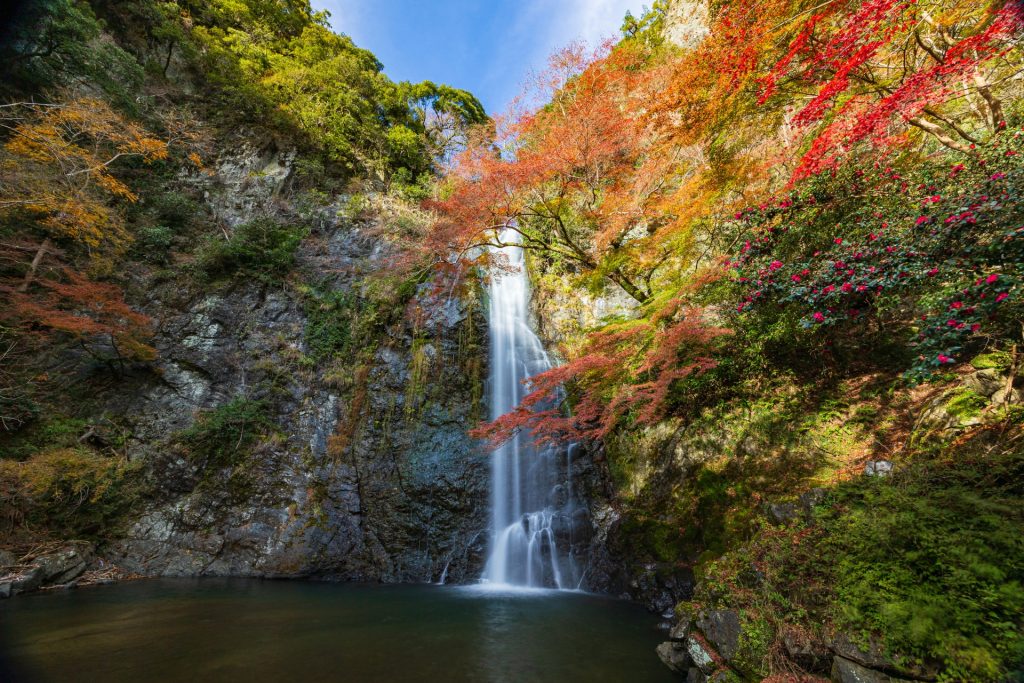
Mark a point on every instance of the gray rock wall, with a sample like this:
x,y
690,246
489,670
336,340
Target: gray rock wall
x,y
406,496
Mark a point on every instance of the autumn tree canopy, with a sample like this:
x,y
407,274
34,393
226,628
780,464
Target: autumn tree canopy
x,y
637,166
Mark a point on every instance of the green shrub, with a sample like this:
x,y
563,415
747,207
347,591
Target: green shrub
x,y
153,243
262,249
930,561
222,437
331,317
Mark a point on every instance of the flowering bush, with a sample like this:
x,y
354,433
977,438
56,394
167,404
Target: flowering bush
x,y
939,249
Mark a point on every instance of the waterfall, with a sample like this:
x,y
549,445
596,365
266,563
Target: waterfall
x,y
532,511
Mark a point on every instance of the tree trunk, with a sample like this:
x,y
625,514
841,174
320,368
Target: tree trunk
x,y
31,274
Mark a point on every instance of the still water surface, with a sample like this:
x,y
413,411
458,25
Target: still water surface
x,y
254,631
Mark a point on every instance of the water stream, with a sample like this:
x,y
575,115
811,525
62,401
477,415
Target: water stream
x,y
531,502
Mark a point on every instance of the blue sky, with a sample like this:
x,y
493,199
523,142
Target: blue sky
x,y
487,47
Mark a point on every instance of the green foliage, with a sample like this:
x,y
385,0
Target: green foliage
x,y
966,404
52,43
223,436
930,561
153,243
331,316
262,249
53,432
935,564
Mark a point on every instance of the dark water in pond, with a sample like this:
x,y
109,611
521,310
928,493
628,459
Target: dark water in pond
x,y
255,631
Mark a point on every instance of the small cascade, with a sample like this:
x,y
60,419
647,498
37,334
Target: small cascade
x,y
533,513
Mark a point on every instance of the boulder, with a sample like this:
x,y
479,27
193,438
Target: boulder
x,y
65,565
5,589
845,671
873,657
26,580
681,630
7,559
985,382
701,655
878,468
722,629
674,656
1004,396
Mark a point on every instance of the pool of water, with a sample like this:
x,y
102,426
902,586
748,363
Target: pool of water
x,y
254,631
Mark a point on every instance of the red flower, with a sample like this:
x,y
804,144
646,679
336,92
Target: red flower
x,y
1001,296
933,272
818,317
957,304
945,359
992,278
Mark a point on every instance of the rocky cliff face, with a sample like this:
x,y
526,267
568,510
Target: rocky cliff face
x,y
367,473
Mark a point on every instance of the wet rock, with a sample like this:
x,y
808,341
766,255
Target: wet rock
x,y
6,589
674,656
722,629
846,671
878,468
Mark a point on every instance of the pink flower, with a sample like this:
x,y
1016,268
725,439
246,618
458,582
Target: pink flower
x,y
933,272
795,278
818,317
991,278
861,288
975,327
957,304
774,265
847,287
838,240
951,323
829,289
945,359
1001,296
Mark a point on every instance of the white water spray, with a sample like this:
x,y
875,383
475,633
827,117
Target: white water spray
x,y
531,508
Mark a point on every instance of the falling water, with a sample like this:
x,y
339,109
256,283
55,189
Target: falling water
x,y
531,507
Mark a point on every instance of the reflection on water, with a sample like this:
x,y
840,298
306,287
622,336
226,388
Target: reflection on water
x,y
254,631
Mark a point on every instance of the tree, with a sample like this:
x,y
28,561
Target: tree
x,y
626,371
56,167
57,183
575,179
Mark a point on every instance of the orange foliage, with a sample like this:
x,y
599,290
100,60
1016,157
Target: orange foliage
x,y
57,165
